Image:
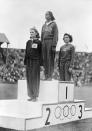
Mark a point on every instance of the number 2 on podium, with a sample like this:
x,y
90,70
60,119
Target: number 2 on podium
x,y
47,120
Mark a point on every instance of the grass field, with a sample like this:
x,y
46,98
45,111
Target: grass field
x,y
84,93
9,91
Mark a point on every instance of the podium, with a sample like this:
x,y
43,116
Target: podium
x,y
66,91
49,91
54,91
22,90
56,106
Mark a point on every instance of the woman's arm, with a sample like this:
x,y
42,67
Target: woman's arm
x,y
42,34
59,58
40,52
72,56
55,33
25,58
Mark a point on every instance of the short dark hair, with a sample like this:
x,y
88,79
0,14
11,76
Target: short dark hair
x,y
51,15
70,37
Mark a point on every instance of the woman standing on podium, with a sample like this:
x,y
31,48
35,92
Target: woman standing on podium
x,y
66,58
49,38
33,61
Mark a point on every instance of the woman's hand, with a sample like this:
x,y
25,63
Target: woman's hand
x,y
42,68
70,69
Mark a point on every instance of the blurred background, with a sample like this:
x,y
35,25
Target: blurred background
x,y
72,16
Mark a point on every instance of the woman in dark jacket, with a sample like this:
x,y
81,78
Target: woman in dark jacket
x,y
66,58
33,61
49,38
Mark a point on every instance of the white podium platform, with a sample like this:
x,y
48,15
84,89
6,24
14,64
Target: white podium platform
x,y
22,90
50,91
21,109
14,113
24,115
66,91
55,106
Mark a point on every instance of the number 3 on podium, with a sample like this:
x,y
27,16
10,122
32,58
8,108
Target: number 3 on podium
x,y
80,116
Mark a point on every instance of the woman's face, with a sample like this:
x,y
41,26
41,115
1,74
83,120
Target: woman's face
x,y
32,34
66,39
47,16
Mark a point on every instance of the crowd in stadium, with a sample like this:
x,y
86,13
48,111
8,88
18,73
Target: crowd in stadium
x,y
14,69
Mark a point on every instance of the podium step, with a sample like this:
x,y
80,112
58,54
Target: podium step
x,y
20,109
56,105
15,114
49,91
